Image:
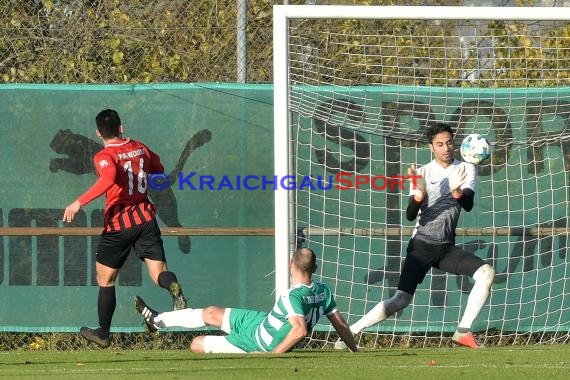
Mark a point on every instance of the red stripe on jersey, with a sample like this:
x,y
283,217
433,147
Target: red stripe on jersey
x,y
125,219
111,221
150,211
146,211
120,217
136,214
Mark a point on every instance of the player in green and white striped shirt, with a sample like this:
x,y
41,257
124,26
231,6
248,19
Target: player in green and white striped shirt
x,y
292,318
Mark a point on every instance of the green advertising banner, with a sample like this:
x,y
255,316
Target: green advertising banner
x,y
48,140
217,141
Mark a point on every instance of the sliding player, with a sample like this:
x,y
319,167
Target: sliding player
x,y
292,318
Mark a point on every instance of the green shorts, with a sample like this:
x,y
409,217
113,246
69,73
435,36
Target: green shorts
x,y
243,325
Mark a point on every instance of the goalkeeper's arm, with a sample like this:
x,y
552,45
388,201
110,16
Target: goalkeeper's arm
x,y
418,191
413,208
467,199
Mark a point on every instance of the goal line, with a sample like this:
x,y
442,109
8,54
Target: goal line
x,y
302,232
407,231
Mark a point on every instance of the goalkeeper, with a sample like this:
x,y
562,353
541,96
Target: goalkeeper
x,y
445,187
292,318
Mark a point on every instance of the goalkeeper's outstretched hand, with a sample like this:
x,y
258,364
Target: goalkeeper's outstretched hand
x,y
457,178
418,182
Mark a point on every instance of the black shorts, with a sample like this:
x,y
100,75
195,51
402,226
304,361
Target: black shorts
x,y
114,247
423,255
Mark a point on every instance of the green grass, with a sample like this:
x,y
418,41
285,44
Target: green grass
x,y
503,363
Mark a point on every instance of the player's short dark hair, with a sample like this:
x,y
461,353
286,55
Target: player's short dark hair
x,y
108,124
436,129
305,259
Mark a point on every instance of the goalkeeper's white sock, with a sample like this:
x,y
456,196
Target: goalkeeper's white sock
x,y
478,296
374,316
189,318
382,311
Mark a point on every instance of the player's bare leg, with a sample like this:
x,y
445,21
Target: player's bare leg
x,y
213,316
197,344
483,277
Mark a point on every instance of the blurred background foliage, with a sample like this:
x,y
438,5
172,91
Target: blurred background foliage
x,y
128,41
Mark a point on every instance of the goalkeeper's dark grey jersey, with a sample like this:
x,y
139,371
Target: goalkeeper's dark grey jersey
x,y
439,212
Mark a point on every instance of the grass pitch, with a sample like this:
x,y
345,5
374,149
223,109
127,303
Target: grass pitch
x,y
504,363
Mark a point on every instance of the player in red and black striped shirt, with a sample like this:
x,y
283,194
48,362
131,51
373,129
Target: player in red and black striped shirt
x,y
130,223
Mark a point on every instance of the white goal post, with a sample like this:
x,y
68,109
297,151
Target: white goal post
x,y
354,89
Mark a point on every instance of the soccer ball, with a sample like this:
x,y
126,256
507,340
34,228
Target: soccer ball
x,y
475,149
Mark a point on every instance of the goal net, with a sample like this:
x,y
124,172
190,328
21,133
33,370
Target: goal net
x,y
355,89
